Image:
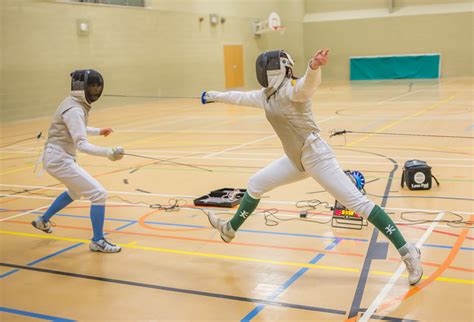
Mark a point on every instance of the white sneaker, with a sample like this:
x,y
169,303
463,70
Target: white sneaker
x,y
104,246
413,262
223,226
45,226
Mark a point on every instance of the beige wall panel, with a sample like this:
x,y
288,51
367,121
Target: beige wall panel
x,y
139,51
448,34
321,6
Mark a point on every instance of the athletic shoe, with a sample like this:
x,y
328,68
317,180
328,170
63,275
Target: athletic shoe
x,y
104,246
42,225
223,226
413,262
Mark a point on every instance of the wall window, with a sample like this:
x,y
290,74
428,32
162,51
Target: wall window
x,y
131,3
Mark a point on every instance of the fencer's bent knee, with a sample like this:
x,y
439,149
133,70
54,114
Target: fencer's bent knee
x,y
73,195
254,188
361,206
98,197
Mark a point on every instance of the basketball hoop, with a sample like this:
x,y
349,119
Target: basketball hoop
x,y
273,23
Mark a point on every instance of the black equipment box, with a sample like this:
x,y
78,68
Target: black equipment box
x,y
417,175
225,197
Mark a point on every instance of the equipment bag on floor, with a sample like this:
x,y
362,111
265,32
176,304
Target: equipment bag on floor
x,y
417,175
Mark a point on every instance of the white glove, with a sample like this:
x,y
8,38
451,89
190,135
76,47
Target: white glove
x,y
206,98
115,154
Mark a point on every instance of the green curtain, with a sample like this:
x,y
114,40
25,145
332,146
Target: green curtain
x,y
395,67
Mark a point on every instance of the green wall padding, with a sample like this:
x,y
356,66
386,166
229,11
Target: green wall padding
x,y
395,67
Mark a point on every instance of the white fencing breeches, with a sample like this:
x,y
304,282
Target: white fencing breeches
x,y
79,183
320,163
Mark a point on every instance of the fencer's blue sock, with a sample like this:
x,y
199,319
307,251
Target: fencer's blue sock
x,y
97,218
61,201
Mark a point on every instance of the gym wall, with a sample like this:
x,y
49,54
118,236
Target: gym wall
x,y
161,50
366,27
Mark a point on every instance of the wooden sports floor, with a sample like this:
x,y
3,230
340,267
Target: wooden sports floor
x,y
174,267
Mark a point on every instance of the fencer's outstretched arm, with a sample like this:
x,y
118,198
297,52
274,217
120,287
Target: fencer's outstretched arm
x,y
93,131
74,119
306,86
252,98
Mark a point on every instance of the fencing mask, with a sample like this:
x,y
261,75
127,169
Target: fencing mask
x,y
87,84
272,67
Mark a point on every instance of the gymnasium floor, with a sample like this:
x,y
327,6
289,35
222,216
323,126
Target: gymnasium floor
x,y
174,267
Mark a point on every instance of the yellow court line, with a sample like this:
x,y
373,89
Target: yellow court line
x,y
390,125
440,279
17,233
17,170
428,148
237,258
176,132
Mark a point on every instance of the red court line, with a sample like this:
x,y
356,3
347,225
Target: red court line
x,y
141,222
436,231
456,268
95,176
258,209
210,241
440,270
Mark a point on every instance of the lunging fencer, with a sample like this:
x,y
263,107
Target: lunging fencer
x,y
68,132
287,103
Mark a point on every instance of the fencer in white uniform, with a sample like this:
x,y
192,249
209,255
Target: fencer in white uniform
x,y
68,133
287,103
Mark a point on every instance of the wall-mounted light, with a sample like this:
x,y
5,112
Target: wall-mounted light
x,y
83,27
213,19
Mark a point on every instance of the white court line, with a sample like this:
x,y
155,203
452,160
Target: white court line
x,y
431,210
193,197
259,140
24,213
383,293
349,156
407,94
197,131
211,155
450,165
116,192
53,198
223,210
400,96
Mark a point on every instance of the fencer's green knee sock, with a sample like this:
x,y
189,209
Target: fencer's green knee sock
x,y
385,224
247,206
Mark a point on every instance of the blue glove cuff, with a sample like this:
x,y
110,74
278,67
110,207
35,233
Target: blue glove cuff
x,y
203,97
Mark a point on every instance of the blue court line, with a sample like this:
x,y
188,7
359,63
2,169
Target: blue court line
x,y
242,230
470,127
126,225
198,226
301,235
34,315
9,273
102,279
288,283
59,252
254,231
446,246
53,254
